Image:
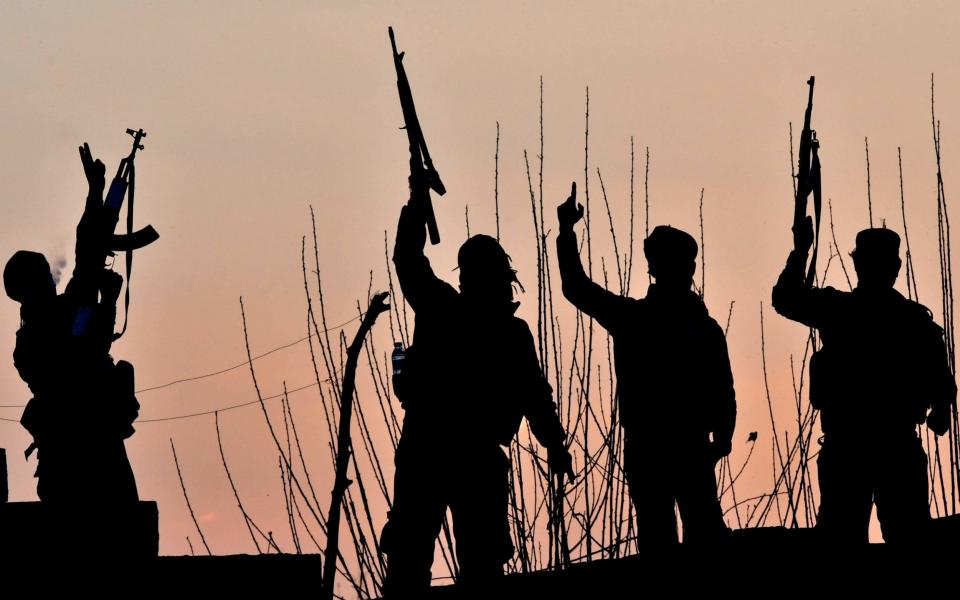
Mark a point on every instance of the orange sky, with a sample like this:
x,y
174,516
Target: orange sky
x,y
255,111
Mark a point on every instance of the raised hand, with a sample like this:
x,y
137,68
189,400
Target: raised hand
x,y
939,421
93,169
569,213
110,284
560,461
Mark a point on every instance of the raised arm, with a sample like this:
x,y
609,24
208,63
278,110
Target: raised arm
x,y
89,253
792,298
589,297
420,286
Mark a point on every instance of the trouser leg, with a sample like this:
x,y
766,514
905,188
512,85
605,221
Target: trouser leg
x,y
696,490
649,482
479,508
110,473
902,494
846,496
413,523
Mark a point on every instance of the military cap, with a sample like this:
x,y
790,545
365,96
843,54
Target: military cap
x,y
481,254
666,242
878,242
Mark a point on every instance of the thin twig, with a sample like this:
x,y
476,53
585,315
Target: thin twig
x,y
187,499
866,145
496,182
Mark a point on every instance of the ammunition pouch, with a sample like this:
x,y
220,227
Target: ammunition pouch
x,y
406,383
123,404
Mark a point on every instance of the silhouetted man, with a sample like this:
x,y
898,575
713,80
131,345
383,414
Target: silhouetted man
x,y
83,404
469,377
882,366
674,383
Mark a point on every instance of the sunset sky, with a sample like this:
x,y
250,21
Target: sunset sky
x,y
257,111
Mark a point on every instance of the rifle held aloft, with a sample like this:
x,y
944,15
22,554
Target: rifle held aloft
x,y
423,175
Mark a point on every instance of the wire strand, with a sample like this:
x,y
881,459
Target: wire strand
x,y
215,410
244,363
221,371
226,408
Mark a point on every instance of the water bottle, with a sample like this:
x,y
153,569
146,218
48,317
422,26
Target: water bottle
x,y
399,355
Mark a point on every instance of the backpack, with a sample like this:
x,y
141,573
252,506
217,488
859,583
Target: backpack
x,y
916,376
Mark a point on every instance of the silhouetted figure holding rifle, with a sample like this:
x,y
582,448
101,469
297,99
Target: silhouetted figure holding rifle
x,y
677,404
83,403
469,378
881,367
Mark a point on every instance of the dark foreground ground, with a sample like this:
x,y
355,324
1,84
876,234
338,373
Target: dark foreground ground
x,y
755,564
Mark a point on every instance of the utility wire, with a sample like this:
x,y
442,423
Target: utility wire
x,y
221,371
